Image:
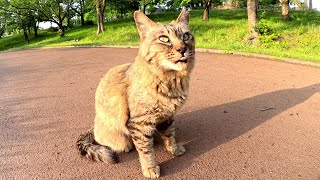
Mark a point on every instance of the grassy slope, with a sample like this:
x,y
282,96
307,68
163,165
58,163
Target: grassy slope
x,y
299,38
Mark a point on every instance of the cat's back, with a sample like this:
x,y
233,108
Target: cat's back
x,y
114,79
112,109
116,75
112,88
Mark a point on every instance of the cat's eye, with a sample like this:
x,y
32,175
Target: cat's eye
x,y
186,36
164,39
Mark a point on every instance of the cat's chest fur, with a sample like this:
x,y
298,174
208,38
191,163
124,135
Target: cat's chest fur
x,y
159,97
169,95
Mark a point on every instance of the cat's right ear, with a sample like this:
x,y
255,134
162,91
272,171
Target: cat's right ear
x,y
144,24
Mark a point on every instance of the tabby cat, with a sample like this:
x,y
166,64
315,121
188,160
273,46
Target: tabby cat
x,y
133,101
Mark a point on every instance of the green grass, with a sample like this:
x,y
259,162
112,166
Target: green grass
x,y
226,30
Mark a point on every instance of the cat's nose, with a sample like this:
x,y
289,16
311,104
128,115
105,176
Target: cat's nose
x,y
182,49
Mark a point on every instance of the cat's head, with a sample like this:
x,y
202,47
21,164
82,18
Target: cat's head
x,y
171,47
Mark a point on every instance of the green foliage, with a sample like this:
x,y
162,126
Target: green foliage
x,y
268,3
227,29
267,35
90,16
121,8
263,28
262,3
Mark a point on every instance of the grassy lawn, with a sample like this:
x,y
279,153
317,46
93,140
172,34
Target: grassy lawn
x,y
226,30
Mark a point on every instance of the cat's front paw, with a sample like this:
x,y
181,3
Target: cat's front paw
x,y
179,151
151,172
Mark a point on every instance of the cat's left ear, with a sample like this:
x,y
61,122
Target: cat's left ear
x,y
183,17
144,24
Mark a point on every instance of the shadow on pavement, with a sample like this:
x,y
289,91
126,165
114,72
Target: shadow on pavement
x,y
205,129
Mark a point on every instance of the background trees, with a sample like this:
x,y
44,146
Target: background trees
x,y
80,8
25,15
55,11
3,16
145,3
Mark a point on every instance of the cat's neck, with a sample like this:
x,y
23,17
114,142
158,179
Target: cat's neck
x,y
172,83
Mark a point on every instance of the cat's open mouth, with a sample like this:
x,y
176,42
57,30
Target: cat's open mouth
x,y
182,60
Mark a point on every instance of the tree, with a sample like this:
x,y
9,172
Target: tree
x,y
120,8
23,19
3,16
310,4
252,21
174,4
100,7
17,18
47,10
269,3
79,7
206,6
2,29
145,3
26,18
285,9
56,11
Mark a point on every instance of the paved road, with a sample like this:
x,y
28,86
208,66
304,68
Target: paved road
x,y
246,118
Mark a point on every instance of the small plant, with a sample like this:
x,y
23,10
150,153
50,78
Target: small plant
x,y
263,24
227,52
267,35
263,28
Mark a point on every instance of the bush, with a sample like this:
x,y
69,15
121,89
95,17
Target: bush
x,y
53,29
263,28
89,22
267,35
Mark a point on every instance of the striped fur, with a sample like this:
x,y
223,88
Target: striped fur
x,y
133,101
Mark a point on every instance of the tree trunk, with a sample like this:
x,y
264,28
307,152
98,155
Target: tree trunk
x,y
82,19
144,8
69,23
310,4
285,9
1,33
252,21
2,28
206,7
206,14
29,30
25,35
61,30
100,23
191,5
100,6
35,28
82,12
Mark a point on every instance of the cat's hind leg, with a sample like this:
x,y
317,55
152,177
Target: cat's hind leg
x,y
116,138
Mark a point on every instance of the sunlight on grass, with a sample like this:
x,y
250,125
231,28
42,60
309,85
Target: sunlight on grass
x,y
226,30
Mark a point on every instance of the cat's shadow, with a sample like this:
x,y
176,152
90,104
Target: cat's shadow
x,y
205,129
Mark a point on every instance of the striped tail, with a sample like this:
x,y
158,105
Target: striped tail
x,y
94,151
